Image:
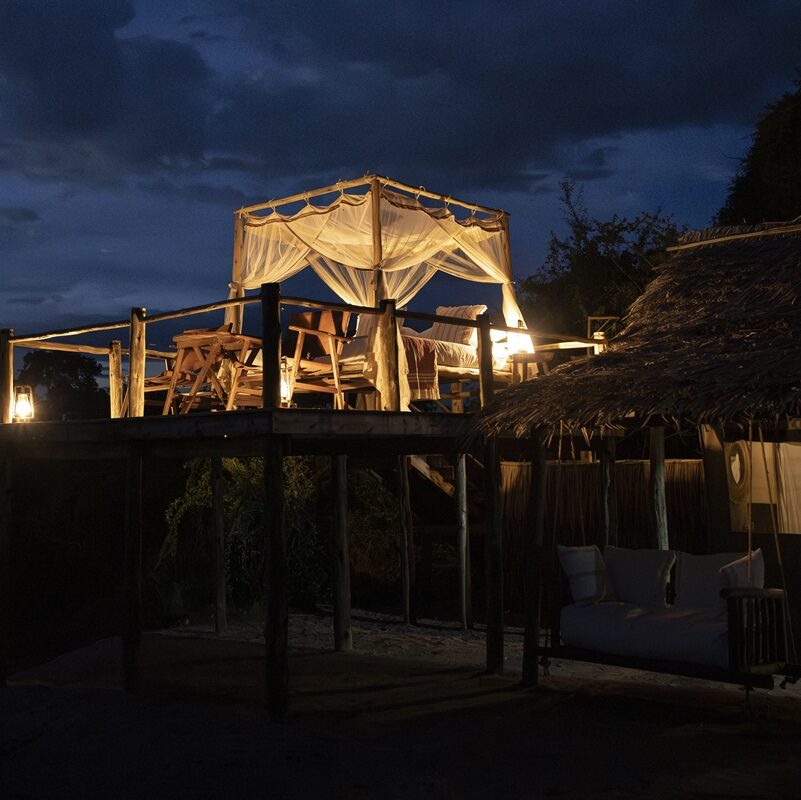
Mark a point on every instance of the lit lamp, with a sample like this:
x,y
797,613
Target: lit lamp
x,y
520,342
286,383
23,404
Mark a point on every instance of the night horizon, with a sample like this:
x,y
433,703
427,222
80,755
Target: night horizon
x,y
131,132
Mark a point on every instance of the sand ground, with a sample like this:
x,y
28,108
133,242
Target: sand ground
x,y
407,714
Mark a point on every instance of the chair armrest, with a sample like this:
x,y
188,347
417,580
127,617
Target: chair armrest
x,y
315,332
757,629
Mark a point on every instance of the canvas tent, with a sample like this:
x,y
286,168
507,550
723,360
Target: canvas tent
x,y
377,239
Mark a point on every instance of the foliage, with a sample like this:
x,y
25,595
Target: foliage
x,y
191,529
187,550
66,384
598,269
767,187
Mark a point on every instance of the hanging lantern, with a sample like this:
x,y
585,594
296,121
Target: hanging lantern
x,y
23,404
286,383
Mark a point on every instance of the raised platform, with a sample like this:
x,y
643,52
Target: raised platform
x,y
302,431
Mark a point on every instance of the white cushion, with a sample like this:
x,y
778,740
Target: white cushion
x,y
698,579
687,635
735,575
456,333
639,576
586,571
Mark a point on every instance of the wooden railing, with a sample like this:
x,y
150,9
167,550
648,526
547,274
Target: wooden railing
x,y
271,303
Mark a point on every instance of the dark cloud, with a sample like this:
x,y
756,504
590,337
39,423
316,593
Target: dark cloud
x,y
10,215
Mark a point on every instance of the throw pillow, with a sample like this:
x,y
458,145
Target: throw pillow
x,y
586,572
456,333
698,578
639,576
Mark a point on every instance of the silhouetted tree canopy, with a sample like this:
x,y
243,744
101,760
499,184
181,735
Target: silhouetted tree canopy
x,y
767,187
597,269
65,385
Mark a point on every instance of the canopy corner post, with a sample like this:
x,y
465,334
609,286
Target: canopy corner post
x,y
486,379
656,486
378,247
237,312
6,374
388,356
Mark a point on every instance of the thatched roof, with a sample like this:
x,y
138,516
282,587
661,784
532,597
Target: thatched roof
x,y
716,337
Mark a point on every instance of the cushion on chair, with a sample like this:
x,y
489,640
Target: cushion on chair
x,y
456,333
639,576
735,574
586,572
698,580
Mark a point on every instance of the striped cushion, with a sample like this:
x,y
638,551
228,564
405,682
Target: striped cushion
x,y
456,333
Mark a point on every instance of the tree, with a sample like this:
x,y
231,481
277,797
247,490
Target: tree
x,y
65,385
597,269
767,186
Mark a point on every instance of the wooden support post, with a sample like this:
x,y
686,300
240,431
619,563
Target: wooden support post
x,y
343,635
486,380
276,625
271,345
463,543
115,379
407,548
136,364
609,490
218,511
236,314
493,557
6,375
378,246
389,378
534,559
6,513
656,486
132,578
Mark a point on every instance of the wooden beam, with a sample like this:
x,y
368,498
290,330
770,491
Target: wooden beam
x,y
656,486
115,379
91,328
6,526
218,512
276,624
271,345
343,634
136,364
295,198
132,572
493,557
609,490
533,556
486,384
65,347
407,548
6,374
463,542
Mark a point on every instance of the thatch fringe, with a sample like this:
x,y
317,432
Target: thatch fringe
x,y
715,338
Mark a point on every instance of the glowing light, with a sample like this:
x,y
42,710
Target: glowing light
x,y
23,404
286,383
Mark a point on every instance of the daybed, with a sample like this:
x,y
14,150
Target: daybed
x,y
702,616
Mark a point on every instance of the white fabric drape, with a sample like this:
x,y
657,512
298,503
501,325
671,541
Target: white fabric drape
x,y
336,241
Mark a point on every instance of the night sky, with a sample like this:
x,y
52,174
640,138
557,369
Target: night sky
x,y
130,131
